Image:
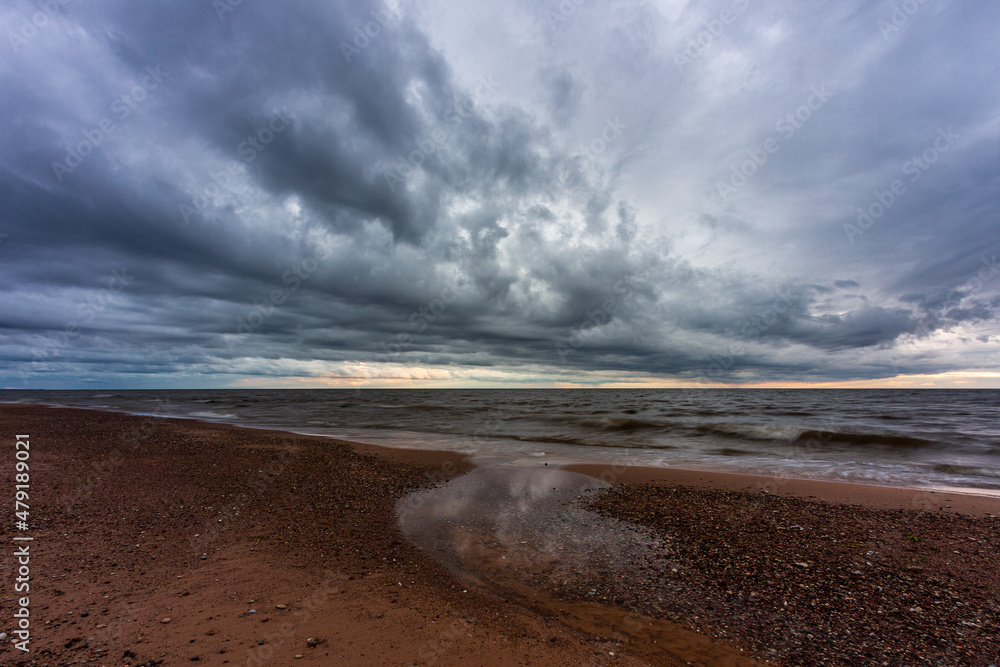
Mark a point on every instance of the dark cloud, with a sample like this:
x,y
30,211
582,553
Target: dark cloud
x,y
358,190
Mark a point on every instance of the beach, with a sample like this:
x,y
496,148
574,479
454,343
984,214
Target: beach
x,y
159,541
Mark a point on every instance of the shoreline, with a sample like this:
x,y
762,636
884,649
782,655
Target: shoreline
x,y
236,545
971,500
958,501
164,541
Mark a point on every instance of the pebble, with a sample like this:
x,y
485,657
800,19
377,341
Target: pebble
x,y
843,584
166,619
280,606
298,655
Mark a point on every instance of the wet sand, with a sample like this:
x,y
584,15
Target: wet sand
x,y
165,540
815,573
158,541
868,495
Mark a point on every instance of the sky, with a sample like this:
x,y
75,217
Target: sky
x,y
520,193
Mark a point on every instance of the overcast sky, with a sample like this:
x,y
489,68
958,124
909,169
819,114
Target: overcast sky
x,y
514,193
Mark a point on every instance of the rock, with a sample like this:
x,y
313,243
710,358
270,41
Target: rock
x,y
280,606
298,655
166,619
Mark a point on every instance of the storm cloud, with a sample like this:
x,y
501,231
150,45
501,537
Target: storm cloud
x,y
217,193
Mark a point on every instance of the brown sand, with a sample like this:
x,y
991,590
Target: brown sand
x,y
155,538
869,495
139,520
816,573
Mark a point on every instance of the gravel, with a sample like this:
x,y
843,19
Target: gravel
x,y
805,582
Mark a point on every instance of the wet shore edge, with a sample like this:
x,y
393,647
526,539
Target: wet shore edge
x,y
973,502
301,514
159,540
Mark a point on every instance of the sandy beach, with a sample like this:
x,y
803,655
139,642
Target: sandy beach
x,y
168,541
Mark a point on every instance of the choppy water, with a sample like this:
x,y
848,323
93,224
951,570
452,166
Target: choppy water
x,y
898,436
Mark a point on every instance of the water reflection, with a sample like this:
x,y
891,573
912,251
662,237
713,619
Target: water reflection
x,y
505,524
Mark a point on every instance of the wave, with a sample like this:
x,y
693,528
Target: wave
x,y
622,424
893,440
416,406
963,470
802,435
754,431
211,415
730,451
571,440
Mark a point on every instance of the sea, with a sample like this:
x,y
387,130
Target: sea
x,y
927,438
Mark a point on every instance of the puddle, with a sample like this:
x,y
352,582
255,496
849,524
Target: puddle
x,y
502,524
517,530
